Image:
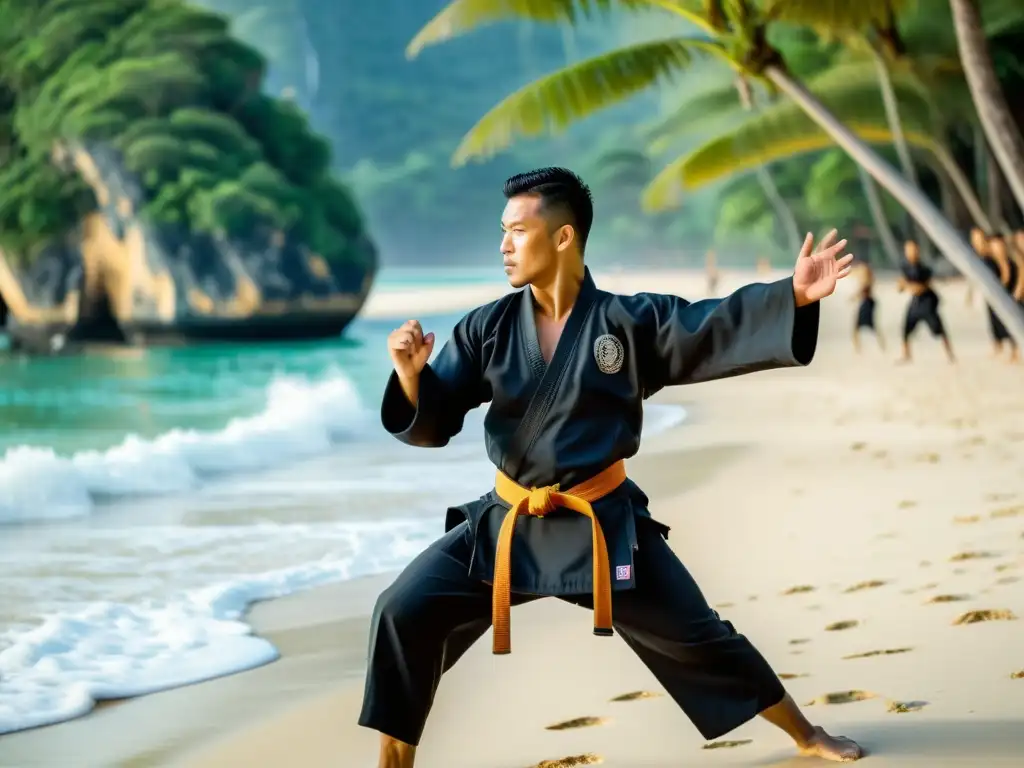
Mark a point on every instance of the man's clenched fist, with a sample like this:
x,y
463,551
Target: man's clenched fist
x,y
410,349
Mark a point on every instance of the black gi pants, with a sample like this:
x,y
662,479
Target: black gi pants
x,y
923,308
434,611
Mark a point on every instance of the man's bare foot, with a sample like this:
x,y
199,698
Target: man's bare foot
x,y
837,749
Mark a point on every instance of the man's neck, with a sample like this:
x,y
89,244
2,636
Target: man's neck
x,y
556,297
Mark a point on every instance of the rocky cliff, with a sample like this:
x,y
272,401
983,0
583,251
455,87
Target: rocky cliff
x,y
119,277
151,192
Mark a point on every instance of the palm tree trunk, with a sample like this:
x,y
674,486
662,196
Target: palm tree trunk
x,y
892,116
945,236
990,101
889,245
764,177
963,187
993,186
782,210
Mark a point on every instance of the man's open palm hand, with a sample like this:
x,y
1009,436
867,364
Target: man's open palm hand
x,y
818,269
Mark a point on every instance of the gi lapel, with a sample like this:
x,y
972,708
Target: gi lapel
x,y
565,352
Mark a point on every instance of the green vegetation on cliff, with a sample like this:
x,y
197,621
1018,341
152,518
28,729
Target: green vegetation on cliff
x,y
166,84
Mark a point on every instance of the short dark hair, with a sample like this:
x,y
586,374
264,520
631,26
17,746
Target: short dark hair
x,y
560,190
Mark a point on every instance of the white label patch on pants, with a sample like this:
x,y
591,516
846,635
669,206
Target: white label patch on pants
x,y
622,573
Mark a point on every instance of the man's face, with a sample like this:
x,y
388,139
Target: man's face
x,y
911,251
530,247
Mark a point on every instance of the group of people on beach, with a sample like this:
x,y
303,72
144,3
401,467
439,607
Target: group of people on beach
x,y
1005,259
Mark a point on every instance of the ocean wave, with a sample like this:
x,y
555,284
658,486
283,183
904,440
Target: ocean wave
x,y
302,418
58,669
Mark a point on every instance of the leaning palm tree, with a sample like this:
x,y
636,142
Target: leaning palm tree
x,y
717,108
714,105
735,33
1000,128
882,41
849,92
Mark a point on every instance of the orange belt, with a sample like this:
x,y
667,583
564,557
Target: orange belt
x,y
539,502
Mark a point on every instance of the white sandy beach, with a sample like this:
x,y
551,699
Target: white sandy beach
x,y
832,513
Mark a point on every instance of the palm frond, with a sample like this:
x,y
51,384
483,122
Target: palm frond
x,y
462,16
694,114
561,98
785,131
835,16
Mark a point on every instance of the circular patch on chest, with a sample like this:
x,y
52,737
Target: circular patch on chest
x,y
608,353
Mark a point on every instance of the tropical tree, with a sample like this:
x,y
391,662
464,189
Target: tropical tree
x,y
849,91
1003,135
719,108
735,33
166,86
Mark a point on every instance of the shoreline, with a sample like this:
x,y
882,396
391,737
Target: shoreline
x,y
758,442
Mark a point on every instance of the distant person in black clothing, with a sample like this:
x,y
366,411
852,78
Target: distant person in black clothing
x,y
1004,264
996,258
924,302
866,308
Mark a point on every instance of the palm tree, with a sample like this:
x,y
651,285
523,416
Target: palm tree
x,y
713,104
850,93
1000,128
884,44
736,33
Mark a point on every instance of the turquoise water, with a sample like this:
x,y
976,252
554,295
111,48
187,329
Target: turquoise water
x,y
93,401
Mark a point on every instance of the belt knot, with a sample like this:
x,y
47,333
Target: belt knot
x,y
540,500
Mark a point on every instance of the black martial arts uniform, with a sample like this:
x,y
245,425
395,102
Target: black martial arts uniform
x,y
998,330
564,422
866,309
923,308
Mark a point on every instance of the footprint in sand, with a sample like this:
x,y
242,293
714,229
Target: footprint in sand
x,y
727,744
905,706
841,625
906,504
871,584
967,519
1008,580
928,458
948,598
858,446
578,722
925,563
884,652
572,761
791,675
1005,567
637,696
799,641
998,496
960,557
799,589
1018,675
725,605
1014,511
974,617
842,697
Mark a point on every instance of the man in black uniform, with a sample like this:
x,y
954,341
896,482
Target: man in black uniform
x,y
924,301
566,367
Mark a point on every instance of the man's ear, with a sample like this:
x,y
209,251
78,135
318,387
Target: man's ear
x,y
565,237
